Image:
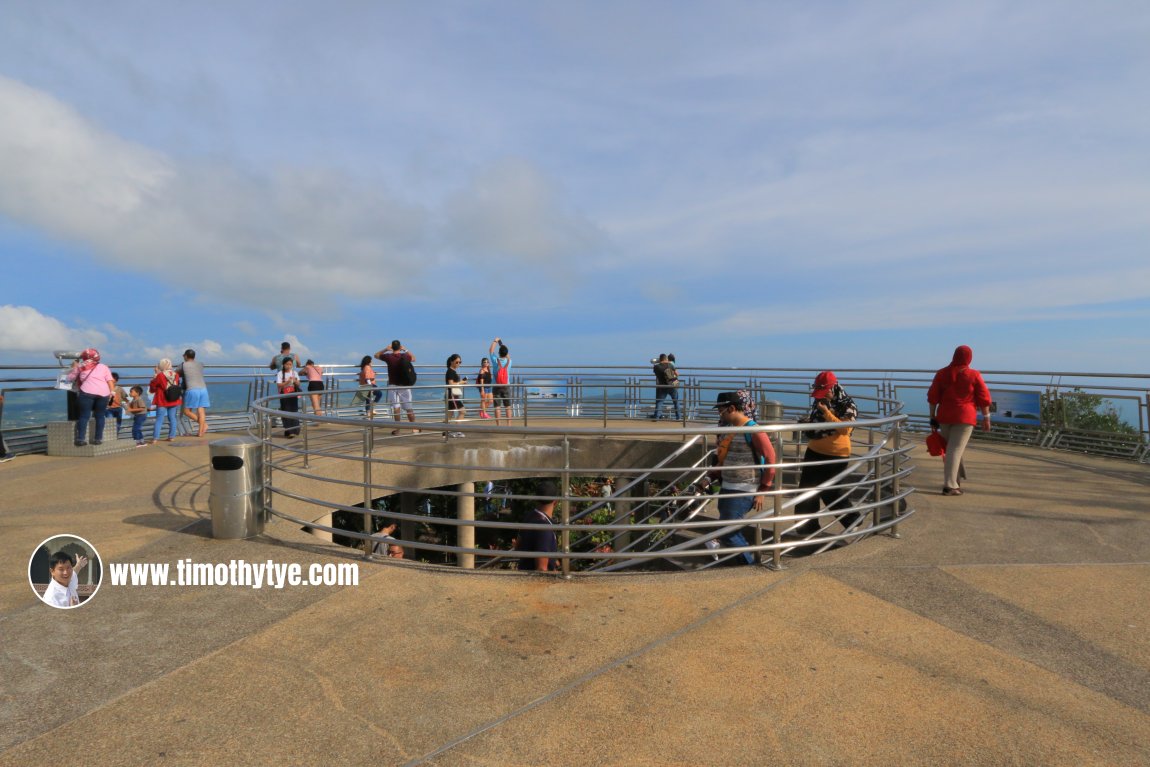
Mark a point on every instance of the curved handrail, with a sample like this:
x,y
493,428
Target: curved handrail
x,y
655,517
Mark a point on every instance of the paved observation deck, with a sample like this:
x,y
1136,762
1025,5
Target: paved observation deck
x,y
1010,625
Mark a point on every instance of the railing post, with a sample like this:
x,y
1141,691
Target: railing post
x,y
604,406
306,444
368,433
896,479
565,509
465,534
776,562
875,514
265,438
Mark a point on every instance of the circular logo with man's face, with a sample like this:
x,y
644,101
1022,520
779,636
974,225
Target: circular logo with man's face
x,y
65,571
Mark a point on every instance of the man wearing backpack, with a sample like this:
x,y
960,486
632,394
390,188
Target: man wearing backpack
x,y
666,384
400,379
501,370
742,464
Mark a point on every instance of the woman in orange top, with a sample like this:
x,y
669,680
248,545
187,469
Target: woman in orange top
x,y
826,451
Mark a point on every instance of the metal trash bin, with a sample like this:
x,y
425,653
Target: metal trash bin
x,y
236,499
770,411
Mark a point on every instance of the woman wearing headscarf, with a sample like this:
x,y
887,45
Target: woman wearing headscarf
x,y
167,397
94,384
956,396
827,449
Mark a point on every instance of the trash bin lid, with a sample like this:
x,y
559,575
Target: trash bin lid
x,y
234,442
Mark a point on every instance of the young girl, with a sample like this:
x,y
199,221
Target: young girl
x,y
483,381
314,375
287,381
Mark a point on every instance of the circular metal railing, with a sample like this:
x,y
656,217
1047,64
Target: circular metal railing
x,y
632,491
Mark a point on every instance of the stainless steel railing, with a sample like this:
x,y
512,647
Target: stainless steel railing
x,y
653,517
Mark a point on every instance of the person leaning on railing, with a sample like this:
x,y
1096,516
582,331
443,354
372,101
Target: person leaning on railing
x,y
955,394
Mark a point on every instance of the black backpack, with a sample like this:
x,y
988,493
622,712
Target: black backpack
x,y
407,373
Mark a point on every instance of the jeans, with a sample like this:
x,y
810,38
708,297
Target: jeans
x,y
138,426
736,507
661,393
171,414
89,404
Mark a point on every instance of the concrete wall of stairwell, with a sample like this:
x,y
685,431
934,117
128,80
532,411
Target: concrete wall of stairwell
x,y
530,456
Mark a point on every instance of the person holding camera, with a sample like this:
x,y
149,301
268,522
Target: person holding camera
x,y
827,450
401,377
501,391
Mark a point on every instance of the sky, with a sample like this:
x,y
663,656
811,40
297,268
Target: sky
x,y
756,184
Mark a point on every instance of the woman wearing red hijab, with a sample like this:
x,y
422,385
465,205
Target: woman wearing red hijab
x,y
956,396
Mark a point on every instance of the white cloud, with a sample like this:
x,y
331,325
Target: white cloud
x,y
250,352
271,239
512,211
24,329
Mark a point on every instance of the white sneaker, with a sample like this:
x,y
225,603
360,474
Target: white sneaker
x,y
456,435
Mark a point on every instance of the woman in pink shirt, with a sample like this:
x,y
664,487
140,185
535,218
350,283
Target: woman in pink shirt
x,y
314,375
94,384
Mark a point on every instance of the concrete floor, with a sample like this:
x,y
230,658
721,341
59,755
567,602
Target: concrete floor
x,y
1007,626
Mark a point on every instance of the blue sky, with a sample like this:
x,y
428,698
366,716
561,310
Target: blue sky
x,y
771,184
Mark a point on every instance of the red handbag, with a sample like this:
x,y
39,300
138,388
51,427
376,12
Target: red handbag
x,y
936,444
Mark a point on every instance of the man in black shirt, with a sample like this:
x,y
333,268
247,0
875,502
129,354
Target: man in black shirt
x,y
540,538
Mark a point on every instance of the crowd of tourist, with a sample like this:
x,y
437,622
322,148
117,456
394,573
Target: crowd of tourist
x,y
743,464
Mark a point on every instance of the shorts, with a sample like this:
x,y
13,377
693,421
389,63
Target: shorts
x,y
196,398
399,395
502,396
454,403
315,385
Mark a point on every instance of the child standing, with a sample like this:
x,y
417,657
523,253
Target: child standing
x,y
138,409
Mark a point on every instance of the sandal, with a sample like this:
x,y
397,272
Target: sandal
x,y
952,491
